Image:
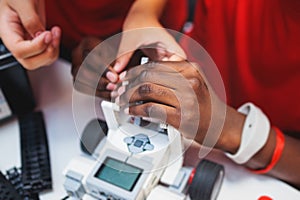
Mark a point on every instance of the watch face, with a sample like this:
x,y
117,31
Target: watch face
x,y
4,107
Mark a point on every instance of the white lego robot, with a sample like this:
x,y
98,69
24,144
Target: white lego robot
x,y
137,161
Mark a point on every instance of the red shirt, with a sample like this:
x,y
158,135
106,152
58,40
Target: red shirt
x,y
256,46
102,18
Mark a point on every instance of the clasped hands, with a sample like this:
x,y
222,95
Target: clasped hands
x,y
173,92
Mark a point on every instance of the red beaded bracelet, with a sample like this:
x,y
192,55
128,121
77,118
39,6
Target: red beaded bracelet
x,y
277,152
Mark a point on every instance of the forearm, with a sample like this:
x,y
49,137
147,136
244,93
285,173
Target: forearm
x,y
286,169
144,13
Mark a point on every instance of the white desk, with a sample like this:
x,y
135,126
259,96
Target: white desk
x,y
53,92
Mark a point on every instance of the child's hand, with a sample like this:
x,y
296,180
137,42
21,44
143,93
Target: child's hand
x,y
23,32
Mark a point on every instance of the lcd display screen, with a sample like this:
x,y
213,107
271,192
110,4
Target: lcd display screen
x,y
119,173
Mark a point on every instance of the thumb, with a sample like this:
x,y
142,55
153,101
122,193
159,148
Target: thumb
x,y
31,20
174,57
122,61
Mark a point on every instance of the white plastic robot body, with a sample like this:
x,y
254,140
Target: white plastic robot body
x,y
166,155
158,156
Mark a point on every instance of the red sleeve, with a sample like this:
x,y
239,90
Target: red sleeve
x,y
79,18
256,46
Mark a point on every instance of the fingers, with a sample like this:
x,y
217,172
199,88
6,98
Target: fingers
x,y
32,52
36,52
173,57
28,48
149,92
29,16
176,53
14,37
184,68
162,82
164,75
42,50
56,36
45,58
112,76
122,62
163,113
155,53
158,52
152,95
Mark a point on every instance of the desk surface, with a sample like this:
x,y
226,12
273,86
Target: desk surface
x,y
53,91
